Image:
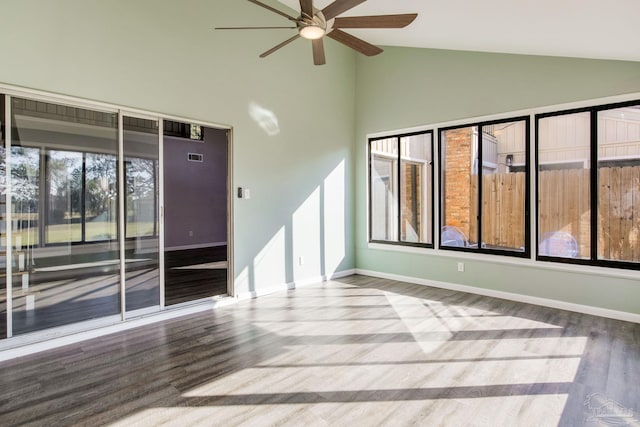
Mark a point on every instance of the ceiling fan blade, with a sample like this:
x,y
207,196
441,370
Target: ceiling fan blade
x,y
318,52
283,44
306,7
254,28
274,10
338,7
381,21
354,43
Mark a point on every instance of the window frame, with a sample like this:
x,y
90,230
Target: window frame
x,y
593,259
397,170
480,249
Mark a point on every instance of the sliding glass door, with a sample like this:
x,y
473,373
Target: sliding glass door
x,y
141,212
196,200
3,223
62,219
82,242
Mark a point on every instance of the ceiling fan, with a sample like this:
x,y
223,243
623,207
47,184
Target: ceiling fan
x,y
313,24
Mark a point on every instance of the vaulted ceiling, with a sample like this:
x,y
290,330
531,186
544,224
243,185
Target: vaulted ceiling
x,y
573,28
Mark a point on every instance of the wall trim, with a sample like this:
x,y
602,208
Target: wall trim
x,y
508,260
294,285
544,302
531,111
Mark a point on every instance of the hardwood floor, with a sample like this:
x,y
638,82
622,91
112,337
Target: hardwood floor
x,y
354,351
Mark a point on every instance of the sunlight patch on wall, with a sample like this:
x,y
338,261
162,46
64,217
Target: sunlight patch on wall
x,y
269,265
241,283
334,219
306,237
266,119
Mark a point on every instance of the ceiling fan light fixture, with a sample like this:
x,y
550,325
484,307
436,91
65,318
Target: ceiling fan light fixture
x,y
312,32
313,24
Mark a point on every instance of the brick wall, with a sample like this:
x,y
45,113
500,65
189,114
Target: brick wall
x,y
457,179
411,199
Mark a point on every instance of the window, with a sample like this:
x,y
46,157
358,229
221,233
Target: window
x,y
190,131
81,196
484,191
141,185
25,175
100,197
590,213
401,189
587,176
64,205
564,186
618,141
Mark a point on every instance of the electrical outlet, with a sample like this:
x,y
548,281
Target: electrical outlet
x,y
461,266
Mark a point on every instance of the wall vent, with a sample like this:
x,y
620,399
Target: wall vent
x,y
194,157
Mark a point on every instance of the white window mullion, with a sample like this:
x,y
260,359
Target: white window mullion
x,y
121,217
161,210
8,216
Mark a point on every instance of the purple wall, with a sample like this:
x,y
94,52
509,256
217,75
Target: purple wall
x,y
195,194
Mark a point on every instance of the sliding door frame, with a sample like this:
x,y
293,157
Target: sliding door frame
x,y
8,217
42,335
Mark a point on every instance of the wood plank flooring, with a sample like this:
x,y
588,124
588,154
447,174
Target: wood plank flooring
x,y
357,351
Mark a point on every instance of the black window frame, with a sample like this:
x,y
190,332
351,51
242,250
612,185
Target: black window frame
x,y
480,249
593,190
430,182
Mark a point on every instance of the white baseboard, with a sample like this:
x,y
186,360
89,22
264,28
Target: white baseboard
x,y
545,302
294,285
339,274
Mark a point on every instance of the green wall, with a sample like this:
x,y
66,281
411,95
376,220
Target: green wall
x,y
307,181
408,87
166,57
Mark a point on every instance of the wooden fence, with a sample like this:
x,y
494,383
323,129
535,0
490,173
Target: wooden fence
x,y
503,202
619,213
564,205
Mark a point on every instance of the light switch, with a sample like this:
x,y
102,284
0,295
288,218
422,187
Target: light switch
x,y
247,193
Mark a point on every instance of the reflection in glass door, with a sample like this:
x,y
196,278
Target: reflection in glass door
x,y
141,211
63,215
82,238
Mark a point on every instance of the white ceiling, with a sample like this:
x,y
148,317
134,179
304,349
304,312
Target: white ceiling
x,y
604,29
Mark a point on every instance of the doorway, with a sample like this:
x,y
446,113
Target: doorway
x,y
84,215
196,197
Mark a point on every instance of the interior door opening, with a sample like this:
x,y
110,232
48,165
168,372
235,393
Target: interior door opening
x,y
196,212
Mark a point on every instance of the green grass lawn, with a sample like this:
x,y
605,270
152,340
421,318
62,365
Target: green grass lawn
x,y
95,231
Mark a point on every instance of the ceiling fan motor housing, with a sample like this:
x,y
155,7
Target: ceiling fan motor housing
x,y
313,24
314,27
